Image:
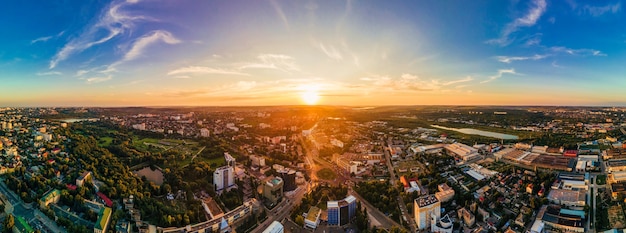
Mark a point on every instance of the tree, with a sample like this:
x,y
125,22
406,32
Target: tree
x,y
300,220
8,223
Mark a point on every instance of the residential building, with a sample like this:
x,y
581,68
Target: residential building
x,y
444,225
223,177
86,176
424,208
204,132
468,217
273,190
257,160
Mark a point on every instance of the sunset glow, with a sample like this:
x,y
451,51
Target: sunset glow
x,y
128,53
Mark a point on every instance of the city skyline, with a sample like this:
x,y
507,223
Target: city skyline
x,y
161,53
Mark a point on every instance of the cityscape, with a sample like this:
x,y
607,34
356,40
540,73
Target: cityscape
x,y
312,116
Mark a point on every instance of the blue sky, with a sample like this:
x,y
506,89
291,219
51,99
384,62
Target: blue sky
x,y
151,52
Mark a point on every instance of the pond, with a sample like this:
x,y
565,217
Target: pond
x,y
155,176
479,132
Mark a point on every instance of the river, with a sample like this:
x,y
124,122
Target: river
x,y
479,132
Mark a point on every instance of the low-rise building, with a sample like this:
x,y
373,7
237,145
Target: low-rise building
x,y
275,227
468,218
312,217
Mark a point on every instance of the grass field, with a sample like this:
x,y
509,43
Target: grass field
x,y
105,141
326,174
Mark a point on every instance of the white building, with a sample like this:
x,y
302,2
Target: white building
x,y
462,151
336,143
223,177
275,227
426,208
258,161
141,126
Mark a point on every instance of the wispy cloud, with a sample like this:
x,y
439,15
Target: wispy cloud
x,y
409,82
499,75
601,10
331,52
81,72
579,52
280,13
507,59
203,70
273,61
47,38
113,21
528,20
93,80
49,73
467,79
142,43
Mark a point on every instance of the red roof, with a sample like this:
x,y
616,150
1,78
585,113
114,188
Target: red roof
x,y
106,199
570,153
71,187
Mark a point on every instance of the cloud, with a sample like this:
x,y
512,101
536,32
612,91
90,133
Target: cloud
x,y
467,79
204,70
97,79
331,52
280,13
507,59
499,75
81,72
49,73
111,23
142,43
528,20
47,38
409,82
579,52
273,61
601,10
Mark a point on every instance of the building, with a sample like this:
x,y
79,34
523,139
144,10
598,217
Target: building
x,y
468,218
217,224
312,218
570,198
230,160
273,190
289,179
258,161
275,227
445,196
104,218
556,218
616,165
223,177
52,196
205,133
462,151
444,225
86,176
424,208
340,212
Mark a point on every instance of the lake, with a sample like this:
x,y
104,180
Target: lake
x,y
156,176
479,132
74,120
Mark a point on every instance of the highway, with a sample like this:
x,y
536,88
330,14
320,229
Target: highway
x,y
281,210
385,221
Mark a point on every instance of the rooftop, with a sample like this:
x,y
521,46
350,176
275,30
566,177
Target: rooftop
x,y
426,200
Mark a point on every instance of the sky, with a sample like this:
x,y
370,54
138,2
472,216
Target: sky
x,y
279,52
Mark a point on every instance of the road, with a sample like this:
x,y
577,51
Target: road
x,y
393,180
19,208
281,210
385,221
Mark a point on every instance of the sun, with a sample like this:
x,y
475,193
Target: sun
x,y
310,94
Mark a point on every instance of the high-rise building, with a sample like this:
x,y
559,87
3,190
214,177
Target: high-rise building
x,y
223,177
340,212
425,208
289,177
273,190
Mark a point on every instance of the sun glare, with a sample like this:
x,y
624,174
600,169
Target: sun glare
x,y
309,95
